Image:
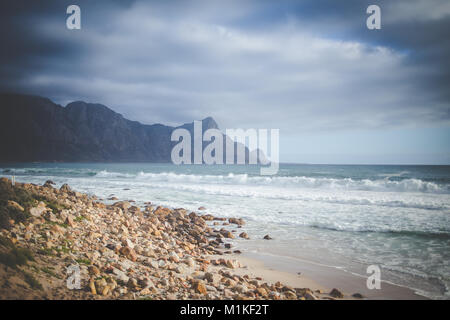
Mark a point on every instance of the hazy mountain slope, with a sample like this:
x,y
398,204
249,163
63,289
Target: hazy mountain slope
x,y
33,128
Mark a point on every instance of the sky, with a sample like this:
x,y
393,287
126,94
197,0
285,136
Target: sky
x,y
338,92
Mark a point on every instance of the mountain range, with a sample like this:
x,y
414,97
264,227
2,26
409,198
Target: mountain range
x,y
35,129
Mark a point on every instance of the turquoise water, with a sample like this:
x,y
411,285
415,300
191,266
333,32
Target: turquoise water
x,y
345,216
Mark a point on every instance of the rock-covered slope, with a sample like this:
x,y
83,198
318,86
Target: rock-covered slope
x,y
121,251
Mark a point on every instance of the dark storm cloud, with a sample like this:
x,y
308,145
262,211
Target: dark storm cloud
x,y
305,65
419,27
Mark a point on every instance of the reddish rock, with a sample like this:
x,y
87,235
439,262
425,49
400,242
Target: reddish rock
x,y
199,287
129,253
244,235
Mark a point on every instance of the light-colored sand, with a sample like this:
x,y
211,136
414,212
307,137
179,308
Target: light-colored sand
x,y
315,276
257,268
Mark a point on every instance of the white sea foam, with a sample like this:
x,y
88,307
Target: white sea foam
x,y
384,185
107,174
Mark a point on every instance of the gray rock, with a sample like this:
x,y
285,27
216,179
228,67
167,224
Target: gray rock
x,y
120,275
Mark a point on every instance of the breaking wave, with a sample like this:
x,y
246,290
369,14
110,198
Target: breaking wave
x,y
383,185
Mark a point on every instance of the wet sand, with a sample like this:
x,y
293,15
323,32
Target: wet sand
x,y
319,277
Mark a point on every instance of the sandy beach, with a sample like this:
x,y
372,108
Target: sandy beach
x,y
319,277
124,252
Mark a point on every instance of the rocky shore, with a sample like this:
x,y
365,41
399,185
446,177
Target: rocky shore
x,y
122,251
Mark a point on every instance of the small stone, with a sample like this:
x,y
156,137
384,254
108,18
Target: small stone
x,y
239,222
13,204
133,284
261,291
128,243
39,210
153,264
290,295
48,183
105,290
124,205
129,253
310,296
69,221
241,288
358,296
190,262
213,278
335,293
230,264
199,287
211,288
121,275
145,291
174,257
92,286
227,234
93,270
65,188
244,235
267,237
162,263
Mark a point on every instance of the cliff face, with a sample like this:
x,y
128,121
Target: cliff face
x,y
36,129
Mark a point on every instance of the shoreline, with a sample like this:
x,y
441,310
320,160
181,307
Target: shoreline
x,y
317,276
128,253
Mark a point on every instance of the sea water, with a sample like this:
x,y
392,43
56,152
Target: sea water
x,y
344,216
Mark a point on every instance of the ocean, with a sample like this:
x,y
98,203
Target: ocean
x,y
343,216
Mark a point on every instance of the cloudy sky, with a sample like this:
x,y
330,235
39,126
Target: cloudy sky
x,y
338,92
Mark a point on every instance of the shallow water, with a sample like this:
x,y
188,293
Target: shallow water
x,y
397,217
